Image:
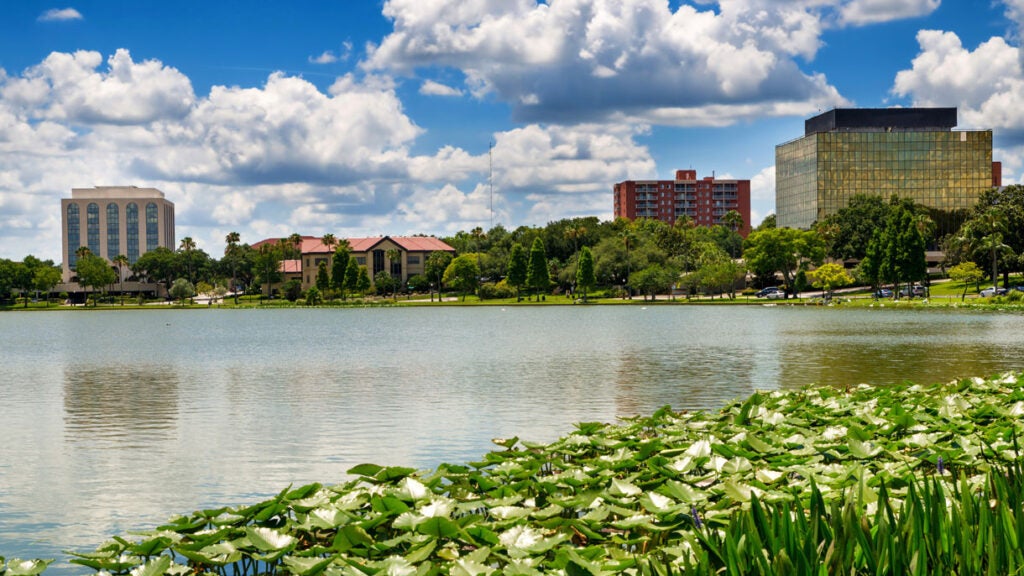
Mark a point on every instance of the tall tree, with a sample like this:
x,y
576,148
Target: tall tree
x,y
340,264
784,251
733,220
121,263
231,252
362,280
968,273
395,263
462,274
983,234
585,277
434,268
898,251
350,282
158,265
518,266
268,260
830,276
45,278
323,279
94,272
187,246
538,276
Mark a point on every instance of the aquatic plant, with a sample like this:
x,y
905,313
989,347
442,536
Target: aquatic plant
x,y
906,479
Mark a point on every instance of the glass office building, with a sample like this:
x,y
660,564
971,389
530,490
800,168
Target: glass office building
x,y
911,152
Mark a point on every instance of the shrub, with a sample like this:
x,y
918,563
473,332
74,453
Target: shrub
x,y
492,291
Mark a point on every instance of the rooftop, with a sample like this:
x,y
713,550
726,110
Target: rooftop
x,y
881,119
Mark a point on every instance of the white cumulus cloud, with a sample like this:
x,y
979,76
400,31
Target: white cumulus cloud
x,y
432,88
60,14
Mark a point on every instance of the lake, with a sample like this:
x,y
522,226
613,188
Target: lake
x,y
115,420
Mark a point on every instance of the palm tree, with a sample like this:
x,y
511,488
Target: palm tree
x,y
295,241
574,233
329,241
121,261
733,219
394,256
984,233
187,246
232,240
627,238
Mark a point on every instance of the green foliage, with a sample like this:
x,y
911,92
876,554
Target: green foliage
x,y
783,250
904,479
313,296
967,273
182,290
291,290
653,280
830,276
323,279
418,283
493,291
848,232
462,274
353,278
896,253
538,276
362,283
585,276
518,266
94,272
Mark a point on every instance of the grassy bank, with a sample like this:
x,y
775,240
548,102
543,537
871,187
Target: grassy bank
x,y
907,479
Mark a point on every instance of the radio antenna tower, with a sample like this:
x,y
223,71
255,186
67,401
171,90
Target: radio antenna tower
x,y
490,177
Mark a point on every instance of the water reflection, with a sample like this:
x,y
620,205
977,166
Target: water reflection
x,y
120,404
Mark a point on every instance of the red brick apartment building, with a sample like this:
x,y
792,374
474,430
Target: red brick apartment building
x,y
706,201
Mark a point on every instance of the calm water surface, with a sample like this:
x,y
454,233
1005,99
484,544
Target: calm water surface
x,y
112,421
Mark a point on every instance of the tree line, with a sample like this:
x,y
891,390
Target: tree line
x,y
873,241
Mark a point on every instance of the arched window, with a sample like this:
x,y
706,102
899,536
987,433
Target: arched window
x,y
92,227
152,227
131,217
74,234
113,232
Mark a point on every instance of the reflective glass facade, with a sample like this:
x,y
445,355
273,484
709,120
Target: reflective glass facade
x,y
942,169
92,228
113,231
74,231
152,227
132,217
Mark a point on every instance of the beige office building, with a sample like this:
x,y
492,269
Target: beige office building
x,y
113,220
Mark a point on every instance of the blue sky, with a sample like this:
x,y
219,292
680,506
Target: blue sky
x,y
375,117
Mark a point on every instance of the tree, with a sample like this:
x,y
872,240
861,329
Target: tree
x,y
384,282
585,278
121,262
784,251
363,280
339,268
538,277
733,220
983,234
182,290
830,276
896,253
268,261
231,253
187,246
518,266
329,241
351,278
323,280
462,274
968,273
848,232
45,278
653,280
313,294
394,260
94,272
158,265
434,268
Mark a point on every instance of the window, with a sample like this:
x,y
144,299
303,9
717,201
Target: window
x,y
361,260
113,232
378,261
152,227
92,230
131,216
414,259
74,234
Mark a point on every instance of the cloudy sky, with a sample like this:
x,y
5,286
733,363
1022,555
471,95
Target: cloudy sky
x,y
370,117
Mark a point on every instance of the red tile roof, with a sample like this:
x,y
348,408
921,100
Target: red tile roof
x,y
290,267
314,245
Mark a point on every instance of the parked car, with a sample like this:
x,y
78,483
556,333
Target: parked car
x,y
763,292
992,291
916,290
777,295
882,293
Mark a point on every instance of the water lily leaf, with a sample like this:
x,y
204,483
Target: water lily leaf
x,y
301,566
657,503
739,492
682,492
862,450
509,512
439,528
699,449
421,553
623,488
368,470
768,476
155,567
18,567
269,540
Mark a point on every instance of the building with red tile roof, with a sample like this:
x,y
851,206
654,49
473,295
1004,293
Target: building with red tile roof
x,y
705,201
371,252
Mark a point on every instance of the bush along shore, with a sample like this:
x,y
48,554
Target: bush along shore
x,y
905,479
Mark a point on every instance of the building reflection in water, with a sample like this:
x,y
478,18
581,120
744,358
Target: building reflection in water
x,y
120,404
